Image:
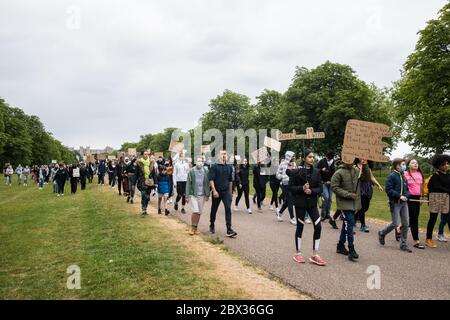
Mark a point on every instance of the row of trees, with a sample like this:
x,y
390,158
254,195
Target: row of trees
x,y
24,140
416,108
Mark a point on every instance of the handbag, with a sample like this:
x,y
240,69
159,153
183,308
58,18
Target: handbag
x,y
149,182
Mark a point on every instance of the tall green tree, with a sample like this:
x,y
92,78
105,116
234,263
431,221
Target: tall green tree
x,y
226,112
422,95
325,98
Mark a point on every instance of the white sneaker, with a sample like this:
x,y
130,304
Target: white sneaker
x,y
279,217
293,221
308,221
249,210
236,208
442,238
58,195
271,208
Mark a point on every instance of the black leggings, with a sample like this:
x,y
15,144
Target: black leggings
x,y
119,185
274,187
361,214
315,217
181,192
337,214
246,190
414,211
431,224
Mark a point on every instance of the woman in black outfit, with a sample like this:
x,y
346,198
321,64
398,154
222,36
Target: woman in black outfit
x,y
305,184
258,184
243,185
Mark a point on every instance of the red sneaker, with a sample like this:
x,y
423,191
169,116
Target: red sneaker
x,y
317,260
298,258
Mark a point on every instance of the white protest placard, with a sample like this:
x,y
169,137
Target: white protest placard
x,y
132,152
206,148
76,172
363,140
54,161
272,143
111,157
179,146
260,155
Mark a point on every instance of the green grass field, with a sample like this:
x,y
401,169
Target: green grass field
x,y
121,256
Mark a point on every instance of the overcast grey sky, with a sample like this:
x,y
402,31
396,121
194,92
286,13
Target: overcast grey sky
x,y
136,67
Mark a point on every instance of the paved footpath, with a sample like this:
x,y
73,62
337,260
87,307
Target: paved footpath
x,y
423,274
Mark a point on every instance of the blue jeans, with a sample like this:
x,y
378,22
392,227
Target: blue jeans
x,y
347,227
287,203
326,203
444,220
41,182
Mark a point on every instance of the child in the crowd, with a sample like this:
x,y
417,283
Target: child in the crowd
x,y
398,193
162,182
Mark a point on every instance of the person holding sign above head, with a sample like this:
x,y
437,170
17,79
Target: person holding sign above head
x,y
287,164
398,193
345,183
180,173
414,179
439,183
305,184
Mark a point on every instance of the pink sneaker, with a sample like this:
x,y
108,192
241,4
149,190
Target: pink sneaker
x,y
317,260
298,258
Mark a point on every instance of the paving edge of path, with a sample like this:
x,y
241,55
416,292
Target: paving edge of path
x,y
239,273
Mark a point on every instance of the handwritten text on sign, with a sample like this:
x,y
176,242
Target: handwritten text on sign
x,y
310,134
363,140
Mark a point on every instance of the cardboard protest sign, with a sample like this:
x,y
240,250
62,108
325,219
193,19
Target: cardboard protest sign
x,y
272,143
309,135
111,157
159,154
132,152
206,148
179,146
76,173
363,140
260,155
439,202
101,157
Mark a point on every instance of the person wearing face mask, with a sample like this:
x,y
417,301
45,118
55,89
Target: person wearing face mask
x,y
243,185
198,191
119,170
162,183
398,193
414,179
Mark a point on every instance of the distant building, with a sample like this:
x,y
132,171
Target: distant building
x,y
87,151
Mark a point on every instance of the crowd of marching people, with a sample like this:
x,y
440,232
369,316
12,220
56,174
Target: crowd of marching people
x,y
301,188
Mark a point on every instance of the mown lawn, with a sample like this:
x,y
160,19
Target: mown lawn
x,y
119,255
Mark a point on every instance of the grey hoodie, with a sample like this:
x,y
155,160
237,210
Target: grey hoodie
x,y
285,165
